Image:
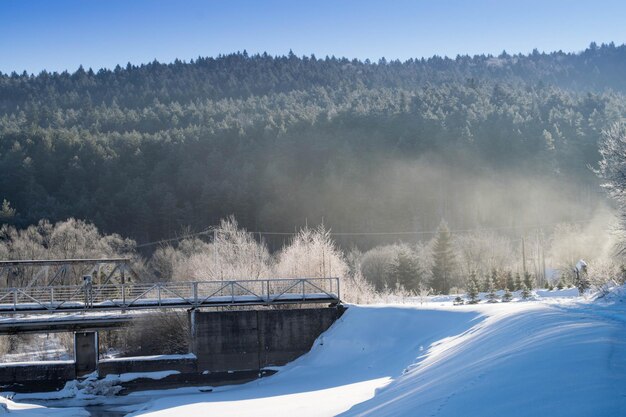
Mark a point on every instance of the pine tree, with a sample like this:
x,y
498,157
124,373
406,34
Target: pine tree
x,y
529,281
443,264
7,213
484,283
510,284
491,290
496,279
405,271
560,285
525,292
472,289
517,282
507,296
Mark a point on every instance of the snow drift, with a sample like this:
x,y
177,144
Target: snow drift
x,y
558,358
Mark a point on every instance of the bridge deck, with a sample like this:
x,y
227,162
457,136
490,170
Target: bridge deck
x,y
168,295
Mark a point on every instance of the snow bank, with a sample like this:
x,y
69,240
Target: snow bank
x,y
524,359
363,351
513,359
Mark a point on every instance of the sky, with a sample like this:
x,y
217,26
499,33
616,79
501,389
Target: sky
x,y
63,34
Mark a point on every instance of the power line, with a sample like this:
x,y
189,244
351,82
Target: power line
x,y
175,239
211,230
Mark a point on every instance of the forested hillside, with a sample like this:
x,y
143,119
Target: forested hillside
x,y
279,141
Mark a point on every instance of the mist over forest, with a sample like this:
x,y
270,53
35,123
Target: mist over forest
x,y
157,150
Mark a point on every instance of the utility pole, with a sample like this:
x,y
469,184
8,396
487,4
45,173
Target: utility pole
x,y
523,256
215,256
543,259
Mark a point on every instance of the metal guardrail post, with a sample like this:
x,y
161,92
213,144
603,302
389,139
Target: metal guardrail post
x,y
159,292
232,292
267,286
303,289
14,299
195,294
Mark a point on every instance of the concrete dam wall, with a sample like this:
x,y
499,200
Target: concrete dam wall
x,y
229,347
255,339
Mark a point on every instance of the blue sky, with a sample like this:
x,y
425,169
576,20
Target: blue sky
x,y
63,34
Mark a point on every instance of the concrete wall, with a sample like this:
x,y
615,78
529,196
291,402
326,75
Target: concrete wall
x,y
254,339
41,376
85,352
125,365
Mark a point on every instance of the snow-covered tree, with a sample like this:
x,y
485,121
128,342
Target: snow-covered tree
x,y
491,290
507,296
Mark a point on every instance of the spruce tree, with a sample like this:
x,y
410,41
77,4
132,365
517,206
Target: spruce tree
x,y
443,258
472,289
7,213
496,279
560,285
484,283
507,296
405,271
525,292
491,291
529,281
510,284
517,282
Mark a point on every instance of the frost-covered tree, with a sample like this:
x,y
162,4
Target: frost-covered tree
x,y
232,253
311,253
582,278
405,271
389,265
69,239
612,166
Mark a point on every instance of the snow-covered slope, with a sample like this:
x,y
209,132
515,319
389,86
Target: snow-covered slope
x,y
525,359
516,359
365,349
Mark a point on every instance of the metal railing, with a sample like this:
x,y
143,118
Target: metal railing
x,y
169,295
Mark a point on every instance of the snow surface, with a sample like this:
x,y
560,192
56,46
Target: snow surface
x,y
554,358
560,355
9,407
